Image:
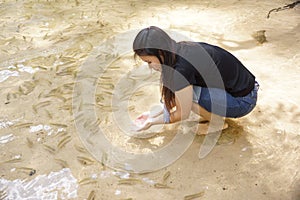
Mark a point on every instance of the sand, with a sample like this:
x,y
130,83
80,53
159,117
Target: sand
x,y
48,46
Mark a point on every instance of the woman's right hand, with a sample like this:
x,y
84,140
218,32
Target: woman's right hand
x,y
140,123
142,118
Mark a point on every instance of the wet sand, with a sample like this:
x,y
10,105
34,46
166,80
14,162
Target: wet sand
x,y
44,46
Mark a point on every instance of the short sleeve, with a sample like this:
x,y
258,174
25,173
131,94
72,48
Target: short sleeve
x,y
182,78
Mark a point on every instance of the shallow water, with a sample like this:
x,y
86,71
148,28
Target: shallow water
x,y
57,185
45,47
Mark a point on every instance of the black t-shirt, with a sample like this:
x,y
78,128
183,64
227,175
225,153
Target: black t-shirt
x,y
210,66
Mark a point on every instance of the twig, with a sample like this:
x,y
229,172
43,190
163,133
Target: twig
x,y
289,6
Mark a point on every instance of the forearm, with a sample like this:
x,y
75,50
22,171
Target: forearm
x,y
163,118
174,117
155,114
157,120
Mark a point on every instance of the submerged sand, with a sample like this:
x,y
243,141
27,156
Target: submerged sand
x,y
45,44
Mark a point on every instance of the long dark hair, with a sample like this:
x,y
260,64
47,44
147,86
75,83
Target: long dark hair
x,y
153,41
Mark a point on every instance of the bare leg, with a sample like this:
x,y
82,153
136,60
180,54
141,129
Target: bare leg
x,y
197,109
213,118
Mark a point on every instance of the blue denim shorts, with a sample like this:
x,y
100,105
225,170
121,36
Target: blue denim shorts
x,y
220,102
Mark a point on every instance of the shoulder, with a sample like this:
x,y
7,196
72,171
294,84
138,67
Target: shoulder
x,y
195,51
183,73
181,65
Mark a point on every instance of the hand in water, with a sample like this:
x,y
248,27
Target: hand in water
x,y
146,125
143,122
142,118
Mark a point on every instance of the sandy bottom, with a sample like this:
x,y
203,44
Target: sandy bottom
x,y
46,50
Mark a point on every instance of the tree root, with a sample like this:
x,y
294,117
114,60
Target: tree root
x,y
289,6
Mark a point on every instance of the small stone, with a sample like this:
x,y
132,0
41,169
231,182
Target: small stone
x,y
260,36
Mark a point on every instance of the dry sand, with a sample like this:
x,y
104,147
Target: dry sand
x,y
43,44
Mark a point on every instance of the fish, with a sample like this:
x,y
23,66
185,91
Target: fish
x,y
99,98
78,117
61,133
97,122
129,181
85,160
22,125
40,95
24,168
13,160
139,93
27,87
59,125
125,97
3,194
66,107
63,142
108,108
106,77
131,108
88,180
88,105
49,148
193,196
104,159
27,170
69,86
92,195
80,106
59,96
15,95
161,186
41,80
63,163
80,149
69,99
87,123
89,141
8,96
49,115
37,106
166,176
108,86
45,68
114,67
45,36
29,142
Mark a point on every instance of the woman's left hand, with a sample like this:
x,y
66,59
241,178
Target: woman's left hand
x,y
144,126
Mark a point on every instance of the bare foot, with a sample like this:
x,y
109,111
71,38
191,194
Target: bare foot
x,y
203,128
